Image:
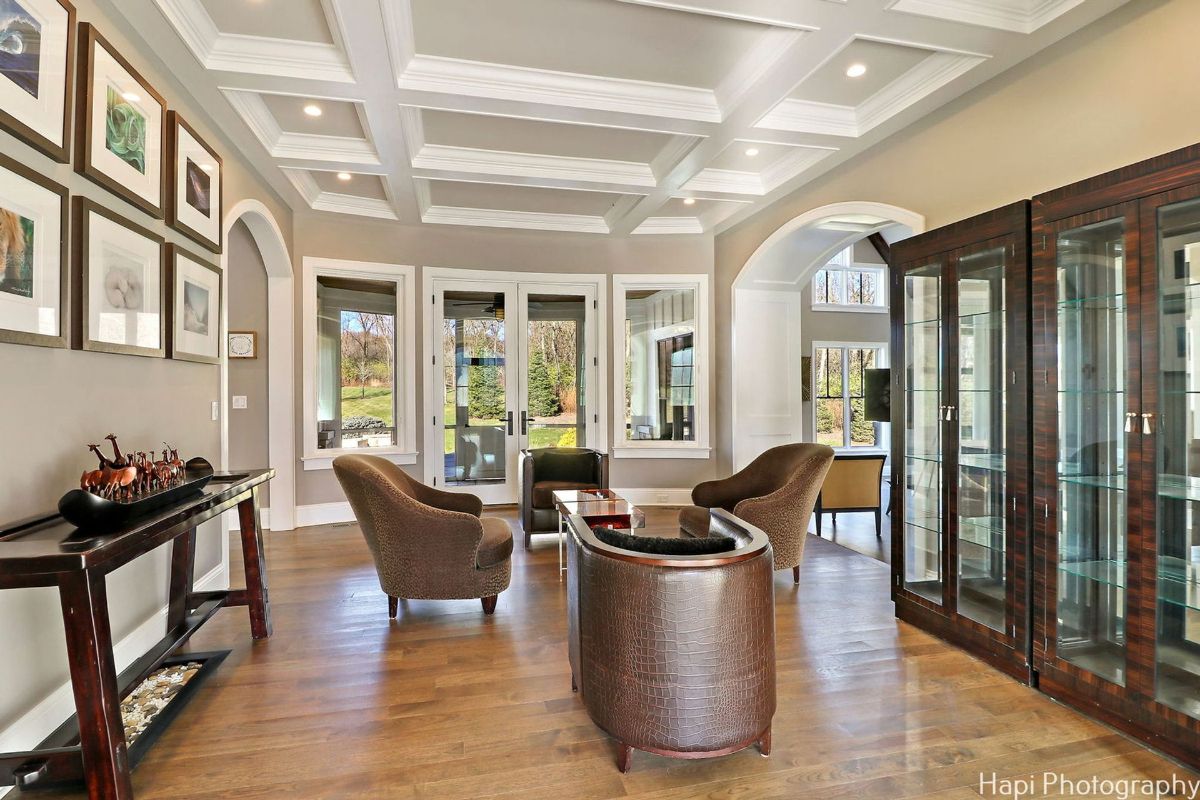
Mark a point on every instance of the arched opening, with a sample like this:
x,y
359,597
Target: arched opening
x,y
769,317
272,250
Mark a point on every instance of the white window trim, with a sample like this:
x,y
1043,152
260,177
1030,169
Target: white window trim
x,y
700,448
855,308
404,371
885,434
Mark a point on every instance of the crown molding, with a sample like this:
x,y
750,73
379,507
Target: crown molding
x,y
412,127
320,200
254,112
727,181
806,116
528,85
532,165
1018,16
531,220
792,164
669,225
336,149
193,24
398,30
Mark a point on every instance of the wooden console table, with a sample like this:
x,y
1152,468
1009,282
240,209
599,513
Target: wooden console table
x,y
48,551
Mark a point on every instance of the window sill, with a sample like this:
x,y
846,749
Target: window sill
x,y
851,309
325,459
661,452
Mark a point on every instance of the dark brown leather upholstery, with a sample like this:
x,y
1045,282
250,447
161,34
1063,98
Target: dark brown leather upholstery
x,y
427,544
549,469
775,492
674,654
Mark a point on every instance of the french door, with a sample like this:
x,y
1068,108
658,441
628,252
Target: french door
x,y
513,365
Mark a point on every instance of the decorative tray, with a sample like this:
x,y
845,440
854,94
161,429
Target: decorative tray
x,y
86,510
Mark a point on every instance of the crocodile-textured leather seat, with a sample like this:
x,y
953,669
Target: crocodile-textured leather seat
x,y
674,654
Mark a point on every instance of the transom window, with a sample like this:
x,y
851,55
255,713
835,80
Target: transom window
x,y
849,286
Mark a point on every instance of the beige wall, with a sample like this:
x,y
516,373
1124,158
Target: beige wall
x,y
247,295
1115,93
517,251
53,402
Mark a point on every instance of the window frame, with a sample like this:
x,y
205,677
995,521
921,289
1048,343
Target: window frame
x,y
700,447
404,369
882,361
841,263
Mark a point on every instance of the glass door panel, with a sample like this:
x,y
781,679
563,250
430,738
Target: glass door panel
x,y
1092,458
555,413
475,386
980,415
1177,652
923,411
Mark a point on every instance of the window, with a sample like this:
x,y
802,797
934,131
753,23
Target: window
x,y
358,352
662,385
849,286
839,406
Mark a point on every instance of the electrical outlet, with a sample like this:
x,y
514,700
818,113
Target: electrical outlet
x,y
216,411
239,401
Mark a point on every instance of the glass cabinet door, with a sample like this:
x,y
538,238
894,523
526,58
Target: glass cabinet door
x,y
923,413
1091,452
980,419
1177,653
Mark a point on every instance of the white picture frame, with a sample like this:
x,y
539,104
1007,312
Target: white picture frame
x,y
35,83
194,324
196,197
33,257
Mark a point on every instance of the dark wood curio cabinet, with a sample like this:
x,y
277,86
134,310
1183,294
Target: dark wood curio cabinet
x,y
961,435
1116,382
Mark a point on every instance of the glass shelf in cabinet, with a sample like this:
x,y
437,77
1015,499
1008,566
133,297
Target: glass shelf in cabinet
x,y
1109,573
993,462
1179,487
985,532
1079,302
1113,482
1179,582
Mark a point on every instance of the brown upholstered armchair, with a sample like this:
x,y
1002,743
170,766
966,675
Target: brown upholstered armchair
x,y
775,492
854,483
674,654
548,469
427,544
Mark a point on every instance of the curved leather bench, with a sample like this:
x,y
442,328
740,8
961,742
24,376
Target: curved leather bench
x,y
675,655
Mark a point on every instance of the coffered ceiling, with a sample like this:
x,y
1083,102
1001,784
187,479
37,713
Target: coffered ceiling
x,y
597,116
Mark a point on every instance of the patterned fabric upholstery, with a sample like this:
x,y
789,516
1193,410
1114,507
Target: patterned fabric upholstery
x,y
775,492
427,544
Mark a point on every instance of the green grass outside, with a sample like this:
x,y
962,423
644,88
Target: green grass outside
x,y
377,403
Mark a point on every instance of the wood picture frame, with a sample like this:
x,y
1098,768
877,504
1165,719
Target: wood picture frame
x,y
127,165
53,241
40,115
91,222
182,327
195,207
235,341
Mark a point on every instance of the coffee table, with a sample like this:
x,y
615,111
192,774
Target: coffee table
x,y
597,507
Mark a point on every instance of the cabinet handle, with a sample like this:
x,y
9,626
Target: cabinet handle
x,y
1147,424
1130,416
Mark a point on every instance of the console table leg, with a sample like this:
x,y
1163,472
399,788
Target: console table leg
x,y
183,568
256,567
94,683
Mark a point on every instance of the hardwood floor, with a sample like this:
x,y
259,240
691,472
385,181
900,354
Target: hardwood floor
x,y
447,703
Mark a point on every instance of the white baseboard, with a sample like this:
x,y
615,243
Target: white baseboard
x,y
44,718
323,514
657,497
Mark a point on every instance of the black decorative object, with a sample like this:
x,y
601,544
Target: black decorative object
x,y
877,391
86,510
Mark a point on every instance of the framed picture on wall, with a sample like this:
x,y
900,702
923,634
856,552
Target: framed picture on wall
x,y
194,321
122,124
119,271
243,344
33,257
37,55
194,202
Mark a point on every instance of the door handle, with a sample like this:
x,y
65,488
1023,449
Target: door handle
x,y
1147,424
524,423
510,423
1130,416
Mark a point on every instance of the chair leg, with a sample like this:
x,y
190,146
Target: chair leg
x,y
764,743
796,574
489,604
574,683
878,524
625,757
833,517
393,605
527,540
818,522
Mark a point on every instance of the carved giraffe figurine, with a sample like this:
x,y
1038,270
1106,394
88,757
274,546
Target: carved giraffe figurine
x,y
118,459
102,478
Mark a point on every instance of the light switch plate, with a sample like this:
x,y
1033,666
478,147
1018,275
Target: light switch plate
x,y
216,410
239,401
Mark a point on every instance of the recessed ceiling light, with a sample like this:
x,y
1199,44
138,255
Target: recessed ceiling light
x,y
752,151
689,201
343,176
130,97
313,110
856,70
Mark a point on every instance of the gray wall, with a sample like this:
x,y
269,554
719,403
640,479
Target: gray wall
x,y
837,326
516,251
247,295
53,402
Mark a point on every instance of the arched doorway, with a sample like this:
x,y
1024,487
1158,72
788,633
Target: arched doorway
x,y
281,445
768,408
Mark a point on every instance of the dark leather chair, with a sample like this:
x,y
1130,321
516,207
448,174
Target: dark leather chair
x,y
776,492
674,654
427,544
548,469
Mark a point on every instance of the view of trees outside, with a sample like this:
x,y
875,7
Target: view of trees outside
x,y
846,287
368,363
838,389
